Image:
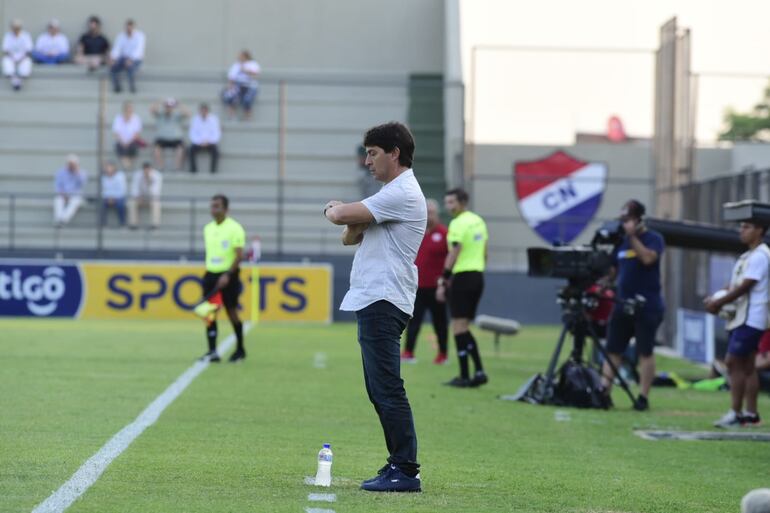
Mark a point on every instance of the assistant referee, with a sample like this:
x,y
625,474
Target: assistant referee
x,y
463,282
224,239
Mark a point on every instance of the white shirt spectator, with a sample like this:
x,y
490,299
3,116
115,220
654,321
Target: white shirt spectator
x,y
205,131
144,187
131,47
52,45
17,46
115,186
240,73
127,129
756,268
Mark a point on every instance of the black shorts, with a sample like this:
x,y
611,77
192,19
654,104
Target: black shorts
x,y
230,293
127,151
642,326
168,143
465,294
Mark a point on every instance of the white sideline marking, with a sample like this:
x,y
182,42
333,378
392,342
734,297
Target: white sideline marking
x,y
90,471
319,361
562,416
318,510
322,497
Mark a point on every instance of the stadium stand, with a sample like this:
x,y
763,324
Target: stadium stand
x,y
58,114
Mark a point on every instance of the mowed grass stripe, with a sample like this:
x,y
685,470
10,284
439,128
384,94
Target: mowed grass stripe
x,y
243,437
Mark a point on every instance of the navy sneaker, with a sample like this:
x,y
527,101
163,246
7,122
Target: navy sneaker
x,y
479,379
459,382
384,469
211,356
392,480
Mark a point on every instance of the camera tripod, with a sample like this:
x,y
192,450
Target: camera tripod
x,y
574,302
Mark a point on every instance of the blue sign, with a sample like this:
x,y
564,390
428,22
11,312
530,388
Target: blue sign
x,y
40,290
695,335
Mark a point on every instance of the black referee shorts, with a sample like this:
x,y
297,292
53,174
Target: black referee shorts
x,y
465,294
230,293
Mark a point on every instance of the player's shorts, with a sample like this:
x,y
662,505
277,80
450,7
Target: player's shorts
x,y
465,294
230,293
643,326
744,341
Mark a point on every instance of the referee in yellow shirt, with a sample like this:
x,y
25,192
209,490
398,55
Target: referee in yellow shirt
x,y
463,282
224,239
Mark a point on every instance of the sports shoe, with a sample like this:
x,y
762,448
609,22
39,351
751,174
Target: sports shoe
x,y
480,378
728,420
237,356
211,357
384,469
440,359
459,382
641,403
750,419
392,480
408,357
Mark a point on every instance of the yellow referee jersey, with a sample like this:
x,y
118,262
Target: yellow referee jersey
x,y
221,241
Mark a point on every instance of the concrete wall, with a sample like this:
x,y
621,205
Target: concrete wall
x,y
630,176
399,36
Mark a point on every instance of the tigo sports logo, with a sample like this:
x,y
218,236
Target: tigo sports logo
x,y
40,290
559,195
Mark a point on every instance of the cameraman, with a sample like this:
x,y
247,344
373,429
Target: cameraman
x,y
637,266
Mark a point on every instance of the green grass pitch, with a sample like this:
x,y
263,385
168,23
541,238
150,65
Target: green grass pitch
x,y
242,438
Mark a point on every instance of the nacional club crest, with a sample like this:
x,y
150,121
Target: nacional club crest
x,y
559,195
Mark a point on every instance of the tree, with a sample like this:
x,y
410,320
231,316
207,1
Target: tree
x,y
753,126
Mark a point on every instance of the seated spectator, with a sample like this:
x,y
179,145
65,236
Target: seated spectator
x,y
169,131
93,47
242,85
205,133
127,55
127,128
145,192
17,45
51,47
114,191
69,184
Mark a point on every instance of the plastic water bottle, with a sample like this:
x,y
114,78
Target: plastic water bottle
x,y
323,476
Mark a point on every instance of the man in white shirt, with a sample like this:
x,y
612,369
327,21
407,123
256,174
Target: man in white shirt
x,y
205,133
389,227
145,192
51,47
127,55
242,84
69,184
114,191
127,129
17,45
749,292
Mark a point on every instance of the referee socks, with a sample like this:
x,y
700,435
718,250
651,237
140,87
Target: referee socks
x,y
462,354
238,329
468,343
211,335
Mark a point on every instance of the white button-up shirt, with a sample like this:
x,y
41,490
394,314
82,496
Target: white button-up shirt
x,y
17,46
126,129
143,187
131,46
383,267
115,186
52,45
205,131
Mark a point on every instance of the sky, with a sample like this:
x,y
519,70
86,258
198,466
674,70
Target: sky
x,y
529,97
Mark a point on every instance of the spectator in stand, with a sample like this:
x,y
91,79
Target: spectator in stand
x,y
145,192
242,85
127,128
430,264
205,133
69,184
114,191
17,45
169,132
127,55
93,47
52,47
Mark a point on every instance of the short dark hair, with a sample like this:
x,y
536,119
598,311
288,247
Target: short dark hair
x,y
459,193
391,136
759,224
94,19
223,199
635,208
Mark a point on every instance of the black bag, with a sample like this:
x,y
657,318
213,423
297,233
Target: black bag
x,y
580,386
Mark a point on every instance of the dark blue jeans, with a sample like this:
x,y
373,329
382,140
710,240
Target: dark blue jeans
x,y
379,333
122,65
